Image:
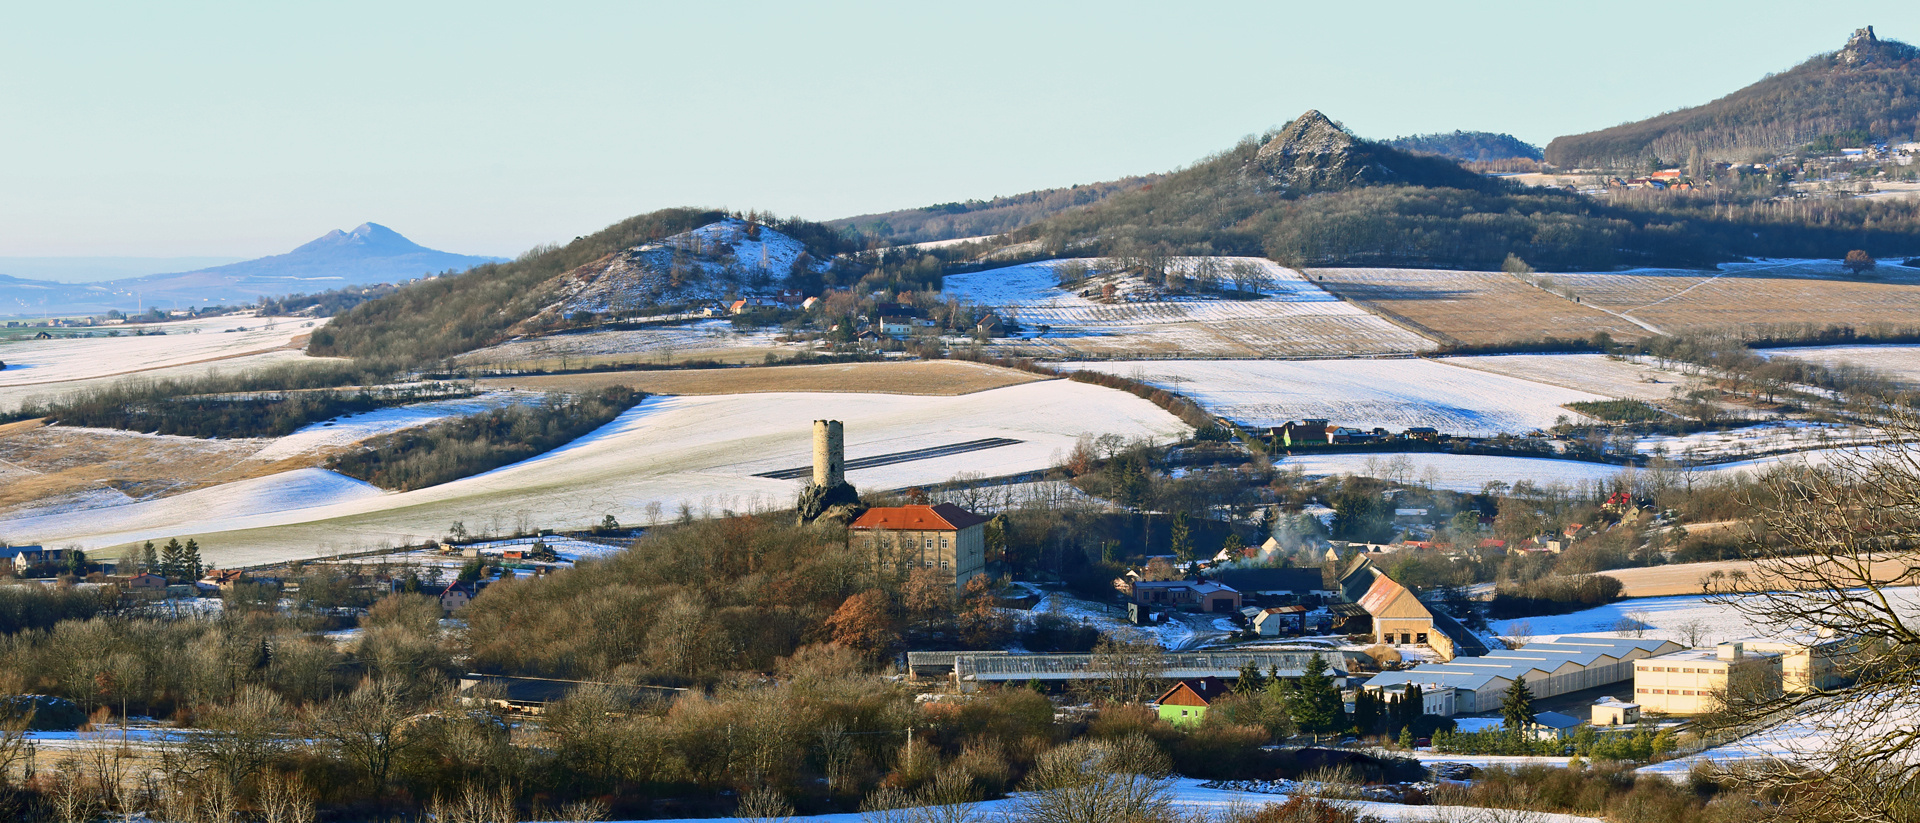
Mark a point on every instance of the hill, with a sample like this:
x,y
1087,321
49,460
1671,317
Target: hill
x,y
1868,90
662,258
370,253
980,218
1472,146
1315,195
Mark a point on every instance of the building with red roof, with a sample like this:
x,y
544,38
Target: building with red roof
x,y
943,536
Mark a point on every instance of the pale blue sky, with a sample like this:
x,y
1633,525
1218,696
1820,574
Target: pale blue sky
x,y
243,129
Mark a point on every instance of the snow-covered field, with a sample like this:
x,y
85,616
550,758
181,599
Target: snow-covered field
x,y
1595,373
1811,739
1190,796
353,428
1899,362
1393,393
11,397
187,341
702,335
1470,472
700,452
1295,319
1760,439
1668,617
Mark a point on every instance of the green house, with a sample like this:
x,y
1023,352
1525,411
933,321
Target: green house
x,y
1187,702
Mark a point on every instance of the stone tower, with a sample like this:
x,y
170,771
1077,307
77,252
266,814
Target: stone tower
x,y
829,454
829,495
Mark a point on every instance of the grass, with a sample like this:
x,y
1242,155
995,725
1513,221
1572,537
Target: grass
x,y
1680,301
930,377
50,461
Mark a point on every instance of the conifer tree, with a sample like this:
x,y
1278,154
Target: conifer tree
x,y
1366,711
170,558
1250,681
1516,706
1412,705
1314,702
149,560
1182,542
1232,546
190,561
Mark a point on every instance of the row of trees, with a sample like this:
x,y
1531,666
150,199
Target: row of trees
x,y
465,446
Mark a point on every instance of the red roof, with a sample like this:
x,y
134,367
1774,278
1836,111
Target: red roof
x,y
942,517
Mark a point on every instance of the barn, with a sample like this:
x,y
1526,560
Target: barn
x,y
1551,668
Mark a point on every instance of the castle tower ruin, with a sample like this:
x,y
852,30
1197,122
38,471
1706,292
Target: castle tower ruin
x,y
829,495
829,454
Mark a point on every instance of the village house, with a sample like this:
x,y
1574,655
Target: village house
x,y
1199,594
1611,711
1309,432
17,559
1280,620
456,596
1692,681
223,579
942,536
1187,701
1399,618
991,326
147,585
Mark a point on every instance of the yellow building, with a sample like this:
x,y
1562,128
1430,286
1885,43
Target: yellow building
x,y
1399,618
1811,665
1691,681
903,538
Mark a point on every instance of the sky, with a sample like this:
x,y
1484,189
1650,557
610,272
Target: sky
x,y
243,129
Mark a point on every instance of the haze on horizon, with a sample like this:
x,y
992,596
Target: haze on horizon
x,y
221,131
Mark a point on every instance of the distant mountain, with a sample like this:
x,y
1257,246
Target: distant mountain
x,y
1868,90
1468,145
369,254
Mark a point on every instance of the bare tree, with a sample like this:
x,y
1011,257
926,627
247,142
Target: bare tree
x,y
1829,545
1086,782
1519,633
1130,671
1693,633
368,726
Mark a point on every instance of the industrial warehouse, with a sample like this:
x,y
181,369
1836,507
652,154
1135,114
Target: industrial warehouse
x,y
1550,668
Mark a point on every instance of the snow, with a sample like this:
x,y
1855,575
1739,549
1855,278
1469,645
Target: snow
x,y
1191,796
1779,435
11,397
668,452
353,428
1666,617
1295,318
1899,362
663,340
32,362
1809,739
1172,633
1471,472
1394,393
1608,376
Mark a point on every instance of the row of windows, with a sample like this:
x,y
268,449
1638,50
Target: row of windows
x,y
1679,670
907,542
1672,691
907,564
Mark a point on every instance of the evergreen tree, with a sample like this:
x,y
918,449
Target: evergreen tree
x,y
1406,737
1412,705
1250,681
76,562
1232,546
1366,711
190,561
1315,702
170,558
1516,706
1182,542
149,560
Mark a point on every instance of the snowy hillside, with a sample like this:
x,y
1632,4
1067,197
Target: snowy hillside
x,y
718,260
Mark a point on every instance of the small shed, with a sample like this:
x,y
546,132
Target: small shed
x,y
1549,725
1610,711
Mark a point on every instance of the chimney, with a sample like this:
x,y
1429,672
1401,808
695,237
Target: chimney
x,y
1732,651
829,454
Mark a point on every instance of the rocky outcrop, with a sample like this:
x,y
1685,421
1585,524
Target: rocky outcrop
x,y
1313,153
839,502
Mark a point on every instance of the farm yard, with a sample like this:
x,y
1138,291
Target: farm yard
x,y
1389,393
1294,318
1745,295
1474,308
928,377
37,362
701,453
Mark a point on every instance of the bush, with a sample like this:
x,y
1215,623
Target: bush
x,y
466,446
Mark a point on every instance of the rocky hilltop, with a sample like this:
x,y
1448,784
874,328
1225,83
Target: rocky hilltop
x,y
1868,90
1313,153
728,258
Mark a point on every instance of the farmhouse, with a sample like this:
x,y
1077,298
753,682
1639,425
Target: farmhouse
x,y
16,559
1691,681
1312,432
1399,618
1186,703
943,536
1201,594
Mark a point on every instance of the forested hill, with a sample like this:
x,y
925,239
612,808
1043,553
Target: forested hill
x,y
1468,145
979,218
429,320
1314,195
1868,90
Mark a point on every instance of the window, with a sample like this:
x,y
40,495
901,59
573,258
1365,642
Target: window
x,y
929,564
929,542
943,541
1420,638
943,564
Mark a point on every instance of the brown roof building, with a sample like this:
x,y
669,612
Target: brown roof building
x,y
903,538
